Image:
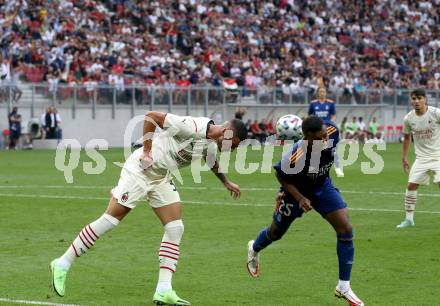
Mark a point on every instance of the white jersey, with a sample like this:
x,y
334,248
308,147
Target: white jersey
x,y
425,130
182,140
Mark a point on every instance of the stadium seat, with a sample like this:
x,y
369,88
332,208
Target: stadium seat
x,y
389,136
398,132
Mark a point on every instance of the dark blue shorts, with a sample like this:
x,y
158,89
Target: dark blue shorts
x,y
324,200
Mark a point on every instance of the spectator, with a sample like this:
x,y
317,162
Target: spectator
x,y
43,123
262,126
51,123
343,127
248,127
269,127
15,128
11,115
240,112
257,133
58,131
351,129
373,130
361,131
360,44
5,79
15,82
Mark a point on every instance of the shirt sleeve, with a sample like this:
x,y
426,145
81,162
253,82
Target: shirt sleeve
x,y
332,110
333,134
186,126
406,125
437,113
288,161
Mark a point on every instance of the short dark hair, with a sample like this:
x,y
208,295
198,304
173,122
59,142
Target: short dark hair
x,y
239,129
419,92
312,124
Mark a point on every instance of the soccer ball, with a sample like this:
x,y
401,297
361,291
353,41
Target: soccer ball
x,y
289,128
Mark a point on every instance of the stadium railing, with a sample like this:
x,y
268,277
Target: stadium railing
x,y
148,97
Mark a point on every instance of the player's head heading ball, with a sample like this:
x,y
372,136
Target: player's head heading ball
x,y
314,129
418,99
239,132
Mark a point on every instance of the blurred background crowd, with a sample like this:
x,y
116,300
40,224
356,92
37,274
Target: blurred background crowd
x,y
355,44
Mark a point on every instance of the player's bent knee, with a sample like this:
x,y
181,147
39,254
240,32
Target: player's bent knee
x,y
413,187
116,209
345,230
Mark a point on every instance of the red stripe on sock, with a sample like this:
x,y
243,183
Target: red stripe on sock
x,y
76,253
166,251
83,241
165,267
165,255
85,236
90,228
165,246
88,234
176,245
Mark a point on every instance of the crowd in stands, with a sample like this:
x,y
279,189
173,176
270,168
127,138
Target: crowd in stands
x,y
285,43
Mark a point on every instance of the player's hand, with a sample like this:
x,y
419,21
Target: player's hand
x,y
145,161
279,198
233,188
305,204
405,164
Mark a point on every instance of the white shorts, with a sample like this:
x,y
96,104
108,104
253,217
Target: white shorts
x,y
421,169
134,186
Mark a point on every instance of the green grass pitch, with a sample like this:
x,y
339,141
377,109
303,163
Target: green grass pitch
x,y
41,214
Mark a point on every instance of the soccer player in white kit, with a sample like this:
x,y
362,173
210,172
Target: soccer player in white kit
x,y
147,174
423,124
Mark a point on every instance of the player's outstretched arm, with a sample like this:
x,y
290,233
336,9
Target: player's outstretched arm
x,y
233,188
405,151
151,121
291,189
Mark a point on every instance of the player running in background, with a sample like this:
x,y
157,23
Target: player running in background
x,y
147,175
423,124
326,110
308,186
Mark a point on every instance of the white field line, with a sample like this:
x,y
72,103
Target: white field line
x,y
393,193
6,300
47,196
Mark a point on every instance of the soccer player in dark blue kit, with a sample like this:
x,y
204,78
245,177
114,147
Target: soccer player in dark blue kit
x,y
325,109
305,185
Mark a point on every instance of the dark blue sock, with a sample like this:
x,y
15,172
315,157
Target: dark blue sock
x,y
345,250
262,240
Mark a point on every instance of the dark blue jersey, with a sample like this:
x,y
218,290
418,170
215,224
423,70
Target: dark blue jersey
x,y
308,169
324,110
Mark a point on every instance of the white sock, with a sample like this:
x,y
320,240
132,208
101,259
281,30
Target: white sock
x,y
86,239
343,285
410,204
164,282
169,252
